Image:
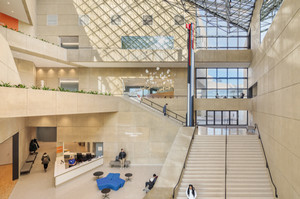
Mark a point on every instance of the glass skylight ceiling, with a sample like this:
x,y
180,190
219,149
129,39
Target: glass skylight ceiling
x,y
268,11
221,24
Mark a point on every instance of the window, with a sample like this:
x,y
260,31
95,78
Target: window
x,y
268,11
221,82
69,42
83,20
69,84
147,20
252,92
52,20
116,20
219,118
179,20
215,33
147,42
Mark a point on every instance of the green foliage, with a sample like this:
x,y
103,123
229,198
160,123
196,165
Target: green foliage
x,y
92,92
35,87
45,88
20,86
4,84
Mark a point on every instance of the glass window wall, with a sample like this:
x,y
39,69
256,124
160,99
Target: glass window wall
x,y
221,82
220,118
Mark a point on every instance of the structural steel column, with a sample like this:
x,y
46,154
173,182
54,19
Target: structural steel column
x,y
191,76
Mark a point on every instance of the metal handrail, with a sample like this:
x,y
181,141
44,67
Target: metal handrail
x,y
177,116
187,154
267,164
226,163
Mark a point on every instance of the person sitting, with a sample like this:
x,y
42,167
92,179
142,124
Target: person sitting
x,y
217,96
191,192
72,161
150,184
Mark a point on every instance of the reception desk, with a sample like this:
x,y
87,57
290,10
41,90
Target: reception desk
x,y
63,174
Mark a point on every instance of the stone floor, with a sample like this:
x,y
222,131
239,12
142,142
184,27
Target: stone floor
x,y
40,185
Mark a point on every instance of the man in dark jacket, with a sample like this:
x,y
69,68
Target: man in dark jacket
x,y
149,185
122,158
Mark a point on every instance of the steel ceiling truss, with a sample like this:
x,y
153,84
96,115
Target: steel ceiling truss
x,y
236,12
267,13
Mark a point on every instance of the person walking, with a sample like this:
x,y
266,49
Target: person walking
x,y
165,109
45,161
122,158
191,192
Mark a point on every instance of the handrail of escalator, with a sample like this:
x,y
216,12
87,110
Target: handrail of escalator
x,y
267,164
187,154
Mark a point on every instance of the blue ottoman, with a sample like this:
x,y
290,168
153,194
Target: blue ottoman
x,y
111,181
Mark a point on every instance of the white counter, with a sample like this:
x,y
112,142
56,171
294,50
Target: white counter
x,y
61,174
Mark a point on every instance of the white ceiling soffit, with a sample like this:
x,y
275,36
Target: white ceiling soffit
x,y
16,9
40,62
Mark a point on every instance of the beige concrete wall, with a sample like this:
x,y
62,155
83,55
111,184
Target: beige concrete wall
x,y
6,152
223,104
145,135
276,109
105,80
27,72
11,126
30,102
8,69
30,8
27,44
171,170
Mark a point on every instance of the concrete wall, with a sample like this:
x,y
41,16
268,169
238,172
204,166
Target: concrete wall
x,y
28,44
27,72
30,8
11,126
105,80
223,104
145,135
6,152
30,102
276,109
8,69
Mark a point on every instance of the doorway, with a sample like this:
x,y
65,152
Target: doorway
x,y
221,118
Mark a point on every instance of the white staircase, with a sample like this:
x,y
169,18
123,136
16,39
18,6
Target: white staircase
x,y
247,175
205,168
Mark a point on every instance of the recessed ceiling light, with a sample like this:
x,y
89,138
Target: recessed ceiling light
x,y
8,3
12,11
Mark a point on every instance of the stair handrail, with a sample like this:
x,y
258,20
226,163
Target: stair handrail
x,y
267,164
177,116
183,167
226,162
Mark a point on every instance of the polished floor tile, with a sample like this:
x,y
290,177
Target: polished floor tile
x,y
40,185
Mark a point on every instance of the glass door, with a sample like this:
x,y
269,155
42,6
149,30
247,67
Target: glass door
x,y
225,117
233,118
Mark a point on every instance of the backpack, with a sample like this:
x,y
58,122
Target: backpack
x,y
45,160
